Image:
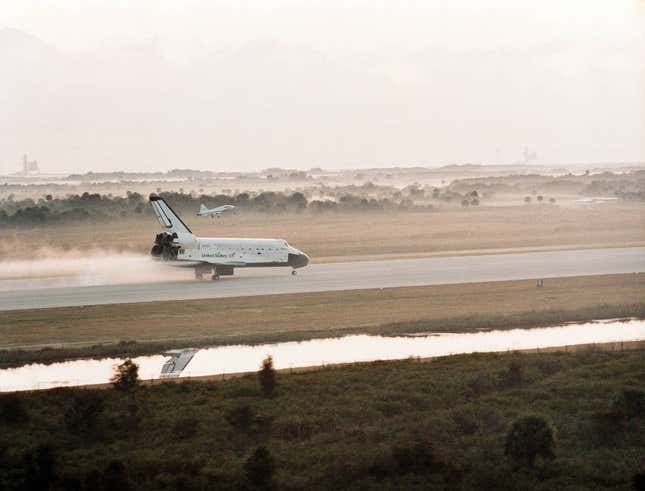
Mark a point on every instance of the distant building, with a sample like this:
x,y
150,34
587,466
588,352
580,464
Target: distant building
x,y
528,155
29,167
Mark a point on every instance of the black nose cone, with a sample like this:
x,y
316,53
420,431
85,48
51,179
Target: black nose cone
x,y
298,260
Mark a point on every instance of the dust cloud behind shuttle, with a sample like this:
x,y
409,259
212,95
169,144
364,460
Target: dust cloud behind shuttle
x,y
57,268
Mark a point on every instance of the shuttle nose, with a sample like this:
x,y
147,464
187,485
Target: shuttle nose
x,y
298,260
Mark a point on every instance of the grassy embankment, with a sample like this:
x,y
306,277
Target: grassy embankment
x,y
142,328
383,425
354,236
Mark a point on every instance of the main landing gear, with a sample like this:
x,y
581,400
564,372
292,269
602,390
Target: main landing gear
x,y
214,272
202,270
294,272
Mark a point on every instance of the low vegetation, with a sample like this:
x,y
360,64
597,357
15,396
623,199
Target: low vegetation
x,y
497,421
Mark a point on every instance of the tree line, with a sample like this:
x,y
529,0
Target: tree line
x,y
100,207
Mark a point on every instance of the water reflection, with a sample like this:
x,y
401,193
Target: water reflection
x,y
243,358
178,360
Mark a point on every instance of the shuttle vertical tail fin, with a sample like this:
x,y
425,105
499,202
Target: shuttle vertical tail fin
x,y
168,219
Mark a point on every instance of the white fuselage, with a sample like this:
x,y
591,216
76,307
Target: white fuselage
x,y
236,252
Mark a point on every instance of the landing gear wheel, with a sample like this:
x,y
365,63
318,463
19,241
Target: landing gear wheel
x,y
294,273
215,277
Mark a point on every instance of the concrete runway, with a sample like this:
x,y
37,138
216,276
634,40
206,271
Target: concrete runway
x,y
342,276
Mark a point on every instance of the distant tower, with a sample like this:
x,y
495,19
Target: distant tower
x,y
528,156
29,167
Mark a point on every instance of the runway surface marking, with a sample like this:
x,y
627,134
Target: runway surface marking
x,y
342,276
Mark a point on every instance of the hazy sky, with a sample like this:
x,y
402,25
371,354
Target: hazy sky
x,y
108,85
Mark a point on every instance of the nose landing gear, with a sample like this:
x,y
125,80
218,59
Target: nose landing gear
x,y
294,272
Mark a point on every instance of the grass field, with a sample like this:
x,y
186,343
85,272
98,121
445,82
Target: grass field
x,y
348,236
383,425
73,331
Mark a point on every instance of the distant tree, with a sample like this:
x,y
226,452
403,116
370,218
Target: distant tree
x,y
551,200
297,201
267,376
475,202
49,197
527,200
530,437
465,203
540,198
259,468
474,194
126,375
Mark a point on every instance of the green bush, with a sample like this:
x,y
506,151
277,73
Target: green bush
x,y
630,403
82,417
242,418
418,457
259,468
530,437
115,477
12,409
185,427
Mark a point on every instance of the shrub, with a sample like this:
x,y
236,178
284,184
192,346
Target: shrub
x,y
242,418
480,385
630,403
126,375
40,468
530,437
12,409
115,477
82,417
514,376
259,468
267,377
418,457
185,427
638,481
